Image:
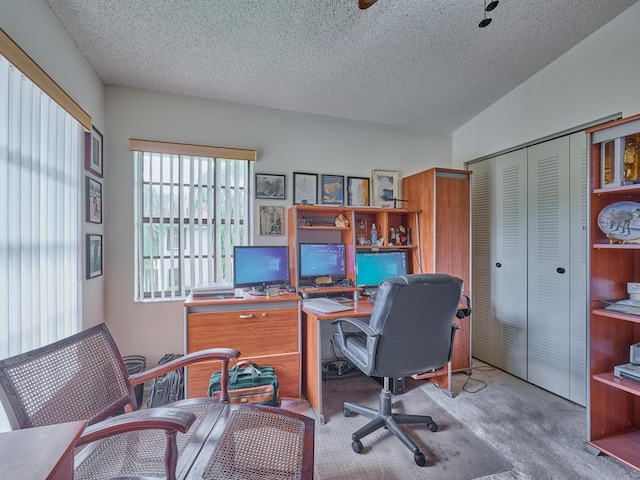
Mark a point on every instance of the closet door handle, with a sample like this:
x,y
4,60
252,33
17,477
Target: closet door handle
x,y
560,270
498,264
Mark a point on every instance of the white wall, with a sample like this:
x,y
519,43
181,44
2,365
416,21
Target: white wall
x,y
285,142
596,79
34,27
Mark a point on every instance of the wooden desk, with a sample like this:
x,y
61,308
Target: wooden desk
x,y
312,353
264,330
40,453
312,350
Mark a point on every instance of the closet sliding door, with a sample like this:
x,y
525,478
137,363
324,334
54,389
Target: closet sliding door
x,y
548,266
529,264
499,260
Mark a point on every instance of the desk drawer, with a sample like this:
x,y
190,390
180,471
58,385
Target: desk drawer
x,y
252,332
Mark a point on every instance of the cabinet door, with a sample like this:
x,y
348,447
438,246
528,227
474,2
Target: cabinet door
x,y
509,263
548,306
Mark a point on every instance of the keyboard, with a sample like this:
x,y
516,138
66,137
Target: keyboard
x,y
325,305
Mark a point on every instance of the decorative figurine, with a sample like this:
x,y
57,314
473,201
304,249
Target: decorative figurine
x,y
341,221
631,162
401,237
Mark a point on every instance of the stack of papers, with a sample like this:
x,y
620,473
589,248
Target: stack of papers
x,y
325,305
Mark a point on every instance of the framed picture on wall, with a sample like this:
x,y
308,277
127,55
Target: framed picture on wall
x,y
385,188
93,152
270,186
358,191
333,189
305,188
94,255
271,220
93,200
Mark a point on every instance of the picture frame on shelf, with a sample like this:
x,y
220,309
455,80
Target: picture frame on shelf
x,y
93,202
93,152
271,186
271,220
94,255
385,187
305,188
332,189
358,191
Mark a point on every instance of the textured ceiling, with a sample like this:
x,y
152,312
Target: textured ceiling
x,y
418,63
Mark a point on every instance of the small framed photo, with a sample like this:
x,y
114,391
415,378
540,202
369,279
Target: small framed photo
x,y
333,189
93,151
270,186
271,220
93,200
94,255
385,188
305,188
358,191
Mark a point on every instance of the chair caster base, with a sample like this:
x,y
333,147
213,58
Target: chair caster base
x,y
419,459
357,446
433,427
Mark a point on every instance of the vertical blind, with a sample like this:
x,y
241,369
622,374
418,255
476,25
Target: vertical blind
x,y
40,158
190,213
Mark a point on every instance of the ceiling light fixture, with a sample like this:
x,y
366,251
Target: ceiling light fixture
x,y
364,4
491,5
486,21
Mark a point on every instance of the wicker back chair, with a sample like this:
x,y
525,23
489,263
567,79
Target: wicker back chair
x,y
83,377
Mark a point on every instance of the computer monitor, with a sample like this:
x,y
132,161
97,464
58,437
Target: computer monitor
x,y
374,267
322,260
260,267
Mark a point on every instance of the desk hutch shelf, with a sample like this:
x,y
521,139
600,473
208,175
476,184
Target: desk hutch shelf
x,y
315,223
613,403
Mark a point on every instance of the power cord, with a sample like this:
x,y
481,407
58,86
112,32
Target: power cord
x,y
339,367
482,383
468,373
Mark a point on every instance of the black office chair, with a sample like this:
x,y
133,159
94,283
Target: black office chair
x,y
411,331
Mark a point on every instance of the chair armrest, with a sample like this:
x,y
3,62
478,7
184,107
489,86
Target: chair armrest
x,y
221,354
357,322
151,418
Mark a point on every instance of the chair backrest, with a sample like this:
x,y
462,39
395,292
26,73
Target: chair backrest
x,y
81,377
414,315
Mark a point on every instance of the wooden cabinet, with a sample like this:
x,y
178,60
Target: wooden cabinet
x,y
613,403
265,331
442,230
316,223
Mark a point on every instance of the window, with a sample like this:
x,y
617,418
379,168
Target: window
x,y
40,169
191,210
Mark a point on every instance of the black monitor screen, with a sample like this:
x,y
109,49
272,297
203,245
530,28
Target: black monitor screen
x,y
323,259
255,266
374,267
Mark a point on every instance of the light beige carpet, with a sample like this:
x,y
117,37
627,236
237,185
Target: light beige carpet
x,y
452,453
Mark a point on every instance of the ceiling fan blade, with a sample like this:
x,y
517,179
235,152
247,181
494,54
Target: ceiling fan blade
x,y
363,4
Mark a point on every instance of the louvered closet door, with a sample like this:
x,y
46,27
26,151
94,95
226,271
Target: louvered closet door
x,y
482,205
509,263
549,272
578,265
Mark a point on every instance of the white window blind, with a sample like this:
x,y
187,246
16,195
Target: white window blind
x,y
190,212
40,165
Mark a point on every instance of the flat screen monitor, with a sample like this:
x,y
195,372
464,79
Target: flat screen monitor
x,y
260,266
323,260
374,267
